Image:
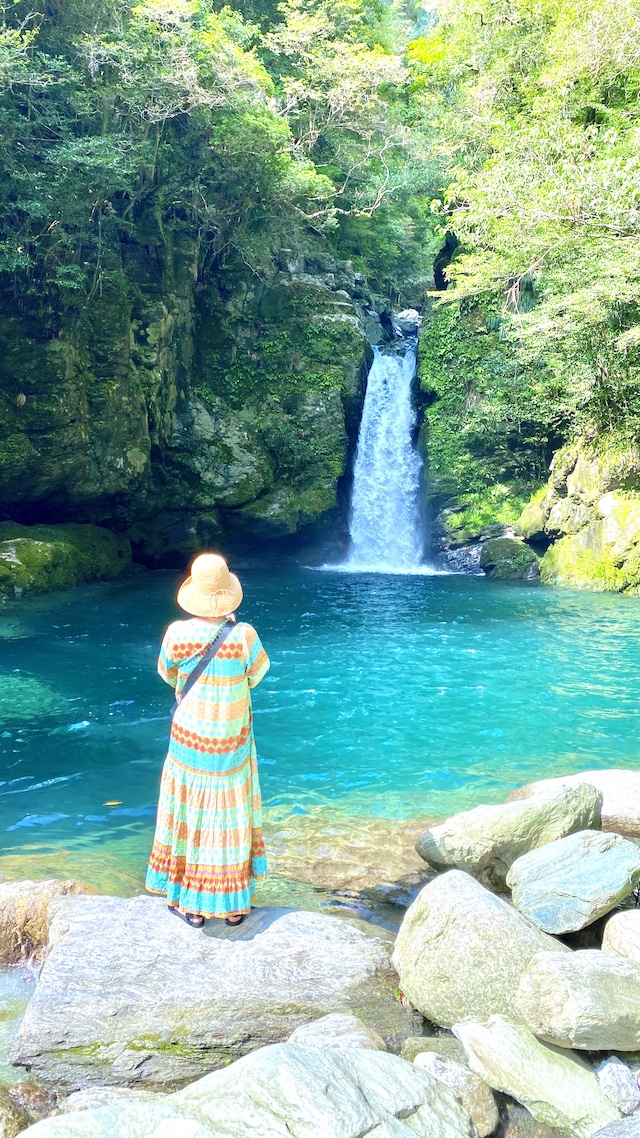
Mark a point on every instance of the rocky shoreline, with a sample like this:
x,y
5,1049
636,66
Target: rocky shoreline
x,y
508,1004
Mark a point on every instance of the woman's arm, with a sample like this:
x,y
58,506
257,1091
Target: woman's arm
x,y
258,662
167,666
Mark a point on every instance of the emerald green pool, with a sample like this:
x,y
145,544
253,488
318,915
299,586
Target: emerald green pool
x,y
389,696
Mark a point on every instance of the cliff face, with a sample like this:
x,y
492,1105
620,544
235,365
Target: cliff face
x,y
183,414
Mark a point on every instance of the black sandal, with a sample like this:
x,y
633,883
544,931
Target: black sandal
x,y
234,924
192,919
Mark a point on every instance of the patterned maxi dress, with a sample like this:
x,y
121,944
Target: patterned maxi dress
x,y
208,849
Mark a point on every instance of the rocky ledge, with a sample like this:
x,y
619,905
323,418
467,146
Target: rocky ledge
x,y
517,1011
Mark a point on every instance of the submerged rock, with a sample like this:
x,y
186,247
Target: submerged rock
x,y
620,790
283,1091
559,1090
568,884
461,951
508,559
338,1030
128,994
24,925
13,1118
622,935
472,1091
35,559
619,1084
487,840
587,999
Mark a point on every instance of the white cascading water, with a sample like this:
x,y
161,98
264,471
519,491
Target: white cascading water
x,y
385,524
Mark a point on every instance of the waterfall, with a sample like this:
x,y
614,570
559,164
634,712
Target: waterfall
x,y
385,527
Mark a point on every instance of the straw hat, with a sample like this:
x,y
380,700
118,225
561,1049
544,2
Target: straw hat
x,y
210,590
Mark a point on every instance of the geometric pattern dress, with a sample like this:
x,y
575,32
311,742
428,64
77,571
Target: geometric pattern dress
x,y
208,849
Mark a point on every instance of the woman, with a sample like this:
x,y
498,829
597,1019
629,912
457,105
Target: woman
x,y
208,850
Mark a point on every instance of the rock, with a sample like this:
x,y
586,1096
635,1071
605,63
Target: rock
x,y
35,559
446,1045
625,1128
282,1091
32,1098
111,1006
619,1084
450,951
516,1122
587,999
13,1118
374,856
622,935
338,1030
568,884
487,840
620,790
408,321
508,559
23,915
559,1090
474,1094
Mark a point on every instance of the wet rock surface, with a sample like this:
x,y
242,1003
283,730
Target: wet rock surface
x,y
474,1094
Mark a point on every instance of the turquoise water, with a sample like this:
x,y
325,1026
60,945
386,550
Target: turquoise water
x,y
399,697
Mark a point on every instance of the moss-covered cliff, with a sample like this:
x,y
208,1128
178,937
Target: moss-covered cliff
x,y
182,415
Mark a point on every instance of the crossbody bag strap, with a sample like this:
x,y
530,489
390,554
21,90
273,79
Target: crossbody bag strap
x,y
212,651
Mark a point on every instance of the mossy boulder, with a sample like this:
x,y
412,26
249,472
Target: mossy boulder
x,y
590,512
508,559
35,559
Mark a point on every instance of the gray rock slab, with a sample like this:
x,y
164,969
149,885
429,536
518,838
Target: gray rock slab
x,y
461,950
587,999
281,1091
128,994
557,1088
487,840
625,1128
338,1030
568,884
619,1084
620,790
622,935
472,1091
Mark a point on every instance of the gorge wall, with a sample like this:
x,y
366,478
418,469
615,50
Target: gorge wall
x,y
180,412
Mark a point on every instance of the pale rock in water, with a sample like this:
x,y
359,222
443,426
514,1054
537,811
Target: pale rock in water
x,y
625,1128
487,840
461,950
587,999
338,1030
282,1091
619,1084
474,1094
128,994
620,790
559,1090
568,884
622,935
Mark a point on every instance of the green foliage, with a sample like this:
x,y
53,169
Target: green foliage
x,y
488,420
535,106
